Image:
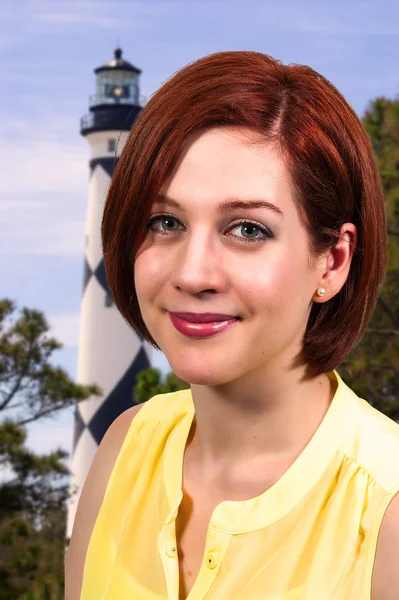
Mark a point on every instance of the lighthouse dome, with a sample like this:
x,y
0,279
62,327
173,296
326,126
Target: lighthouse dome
x,y
117,63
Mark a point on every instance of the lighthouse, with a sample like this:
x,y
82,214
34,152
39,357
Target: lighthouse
x,y
110,352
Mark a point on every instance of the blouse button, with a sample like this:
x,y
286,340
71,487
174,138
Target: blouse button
x,y
170,550
212,560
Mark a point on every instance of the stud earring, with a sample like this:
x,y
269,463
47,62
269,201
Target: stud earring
x,y
321,292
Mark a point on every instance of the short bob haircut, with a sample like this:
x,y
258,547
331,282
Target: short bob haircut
x,y
326,151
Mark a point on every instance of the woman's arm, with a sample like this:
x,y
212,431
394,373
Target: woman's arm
x,y
91,499
385,581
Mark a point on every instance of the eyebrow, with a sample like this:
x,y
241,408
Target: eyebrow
x,y
226,206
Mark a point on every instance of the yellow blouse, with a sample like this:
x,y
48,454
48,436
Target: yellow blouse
x,y
311,536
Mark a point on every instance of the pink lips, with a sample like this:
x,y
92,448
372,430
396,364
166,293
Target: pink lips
x,y
203,317
201,325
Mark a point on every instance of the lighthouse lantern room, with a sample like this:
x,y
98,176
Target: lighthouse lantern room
x,y
115,105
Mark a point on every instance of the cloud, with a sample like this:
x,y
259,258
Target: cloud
x,y
43,194
40,231
66,18
43,166
357,22
43,154
42,17
10,39
65,328
43,439
311,17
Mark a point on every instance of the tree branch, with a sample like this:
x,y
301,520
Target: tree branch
x,y
383,331
17,385
388,311
39,415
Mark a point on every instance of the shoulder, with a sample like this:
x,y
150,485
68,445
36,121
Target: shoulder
x,y
373,443
91,499
385,580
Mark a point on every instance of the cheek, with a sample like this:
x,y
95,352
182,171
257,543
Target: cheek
x,y
150,270
267,273
276,282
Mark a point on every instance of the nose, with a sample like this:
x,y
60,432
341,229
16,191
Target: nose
x,y
198,265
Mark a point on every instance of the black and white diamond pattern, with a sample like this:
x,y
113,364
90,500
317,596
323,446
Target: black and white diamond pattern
x,y
99,274
107,163
111,354
120,399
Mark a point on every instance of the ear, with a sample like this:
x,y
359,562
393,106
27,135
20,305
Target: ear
x,y
335,265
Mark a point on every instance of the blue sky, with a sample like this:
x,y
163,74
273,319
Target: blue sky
x,y
49,50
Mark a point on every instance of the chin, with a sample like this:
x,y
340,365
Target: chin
x,y
201,371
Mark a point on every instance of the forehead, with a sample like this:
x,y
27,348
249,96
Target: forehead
x,y
228,162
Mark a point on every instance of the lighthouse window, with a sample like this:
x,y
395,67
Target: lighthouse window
x,y
111,145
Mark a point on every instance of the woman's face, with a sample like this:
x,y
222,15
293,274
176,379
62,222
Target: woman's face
x,y
200,260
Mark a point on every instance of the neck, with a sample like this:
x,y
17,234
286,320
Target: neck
x,y
262,419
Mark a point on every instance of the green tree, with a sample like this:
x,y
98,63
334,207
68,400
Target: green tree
x,y
35,493
372,368
149,384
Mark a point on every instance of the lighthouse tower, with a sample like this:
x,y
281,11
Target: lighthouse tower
x,y
110,353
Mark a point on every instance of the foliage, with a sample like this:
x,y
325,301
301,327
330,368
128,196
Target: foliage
x,y
30,489
372,368
149,384
32,559
27,379
35,493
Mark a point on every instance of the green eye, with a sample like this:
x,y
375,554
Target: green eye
x,y
162,219
168,220
253,227
249,226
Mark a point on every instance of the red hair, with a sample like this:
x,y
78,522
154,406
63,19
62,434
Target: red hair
x,y
325,149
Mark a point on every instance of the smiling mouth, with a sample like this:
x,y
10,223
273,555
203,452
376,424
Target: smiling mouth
x,y
204,317
201,329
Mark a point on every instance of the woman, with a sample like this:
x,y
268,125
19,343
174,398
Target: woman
x,y
244,235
